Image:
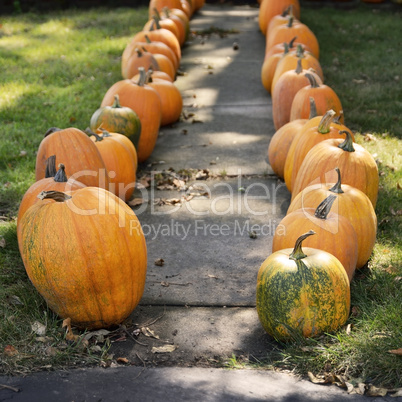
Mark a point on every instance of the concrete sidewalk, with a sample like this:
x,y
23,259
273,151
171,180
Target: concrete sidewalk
x,y
209,215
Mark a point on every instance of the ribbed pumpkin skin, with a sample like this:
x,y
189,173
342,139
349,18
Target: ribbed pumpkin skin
x,y
172,101
311,295
31,195
335,235
117,119
146,102
121,165
280,143
354,205
78,153
270,8
358,168
139,59
305,140
89,267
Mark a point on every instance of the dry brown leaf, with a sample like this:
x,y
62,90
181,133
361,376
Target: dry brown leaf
x,y
2,242
10,350
136,201
179,183
164,349
148,332
70,336
165,284
370,137
122,360
396,393
159,262
213,276
314,379
374,391
348,329
173,201
396,351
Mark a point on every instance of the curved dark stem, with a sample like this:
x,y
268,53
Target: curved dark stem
x,y
337,187
323,209
50,170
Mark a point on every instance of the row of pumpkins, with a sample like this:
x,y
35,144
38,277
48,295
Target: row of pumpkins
x,y
81,244
333,183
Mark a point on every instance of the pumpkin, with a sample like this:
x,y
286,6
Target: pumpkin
x,y
165,65
269,65
172,101
160,35
86,255
155,74
279,19
166,23
358,167
118,119
139,58
270,8
285,32
307,138
304,291
54,180
289,62
335,234
154,47
280,47
351,203
284,91
146,102
282,140
79,154
325,98
160,4
121,165
181,25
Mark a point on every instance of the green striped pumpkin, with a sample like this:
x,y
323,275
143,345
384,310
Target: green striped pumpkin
x,y
302,292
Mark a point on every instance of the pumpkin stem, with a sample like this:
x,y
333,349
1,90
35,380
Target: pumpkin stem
x,y
54,195
143,77
147,39
105,133
156,12
61,176
347,145
285,48
299,67
139,52
337,187
337,119
290,23
312,80
286,11
300,51
323,209
91,133
166,10
51,131
325,124
50,170
291,43
116,103
297,253
313,108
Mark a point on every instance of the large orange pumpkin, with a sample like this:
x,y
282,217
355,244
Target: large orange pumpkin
x,y
335,234
325,99
86,255
270,8
285,90
351,203
307,138
139,58
282,140
358,167
79,154
54,180
146,102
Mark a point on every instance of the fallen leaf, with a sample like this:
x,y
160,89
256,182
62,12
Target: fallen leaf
x,y
70,336
213,276
10,350
165,284
14,300
136,201
374,391
369,137
159,262
38,328
315,379
350,388
179,183
148,332
99,334
23,153
173,201
359,81
122,360
396,393
2,242
252,234
164,349
51,351
348,329
396,351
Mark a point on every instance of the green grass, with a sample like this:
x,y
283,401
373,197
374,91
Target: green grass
x,y
55,69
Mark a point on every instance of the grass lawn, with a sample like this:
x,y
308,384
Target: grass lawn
x,y
55,69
